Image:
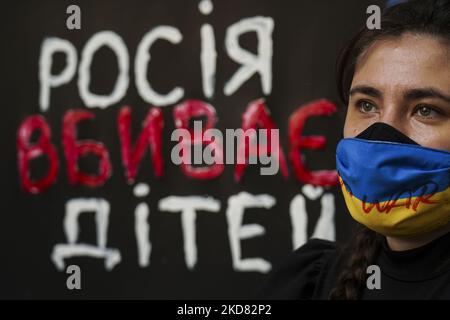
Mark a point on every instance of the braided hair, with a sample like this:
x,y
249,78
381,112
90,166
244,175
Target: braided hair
x,y
427,17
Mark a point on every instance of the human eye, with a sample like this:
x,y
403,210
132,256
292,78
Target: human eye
x,y
365,106
427,112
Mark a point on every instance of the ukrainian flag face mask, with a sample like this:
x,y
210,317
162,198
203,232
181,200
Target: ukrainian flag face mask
x,y
393,185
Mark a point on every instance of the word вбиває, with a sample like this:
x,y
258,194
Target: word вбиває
x,y
150,137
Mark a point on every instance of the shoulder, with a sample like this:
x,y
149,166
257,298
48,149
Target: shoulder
x,y
298,276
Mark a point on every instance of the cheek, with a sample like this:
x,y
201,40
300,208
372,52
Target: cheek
x,y
437,139
354,125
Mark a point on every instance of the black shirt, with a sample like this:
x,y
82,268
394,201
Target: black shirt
x,y
310,272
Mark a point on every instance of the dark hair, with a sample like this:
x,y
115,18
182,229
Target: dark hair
x,y
428,17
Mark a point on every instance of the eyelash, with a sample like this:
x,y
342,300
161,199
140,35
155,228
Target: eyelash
x,y
437,111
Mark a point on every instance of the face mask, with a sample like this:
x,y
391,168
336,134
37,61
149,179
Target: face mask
x,y
393,185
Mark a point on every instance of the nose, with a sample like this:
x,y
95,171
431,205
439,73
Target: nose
x,y
394,115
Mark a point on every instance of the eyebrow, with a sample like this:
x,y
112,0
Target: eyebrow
x,y
416,94
367,90
410,95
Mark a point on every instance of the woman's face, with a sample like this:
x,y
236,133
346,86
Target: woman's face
x,y
404,82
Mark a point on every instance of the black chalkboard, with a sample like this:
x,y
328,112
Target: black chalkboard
x,y
163,254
